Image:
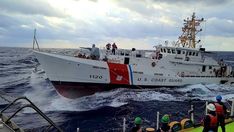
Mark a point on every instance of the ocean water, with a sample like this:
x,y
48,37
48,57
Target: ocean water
x,y
21,75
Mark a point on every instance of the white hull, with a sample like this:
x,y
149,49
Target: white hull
x,y
90,75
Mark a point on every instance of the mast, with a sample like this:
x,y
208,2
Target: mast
x,y
190,30
35,40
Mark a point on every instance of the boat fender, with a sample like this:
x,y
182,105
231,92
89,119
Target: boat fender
x,y
150,129
175,126
153,64
186,123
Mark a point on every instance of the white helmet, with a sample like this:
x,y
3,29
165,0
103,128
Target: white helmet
x,y
211,107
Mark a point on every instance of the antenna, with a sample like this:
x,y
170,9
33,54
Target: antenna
x,y
189,32
35,40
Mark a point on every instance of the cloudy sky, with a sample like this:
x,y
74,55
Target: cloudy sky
x,y
129,23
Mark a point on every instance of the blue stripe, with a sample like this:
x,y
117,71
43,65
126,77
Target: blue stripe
x,y
131,76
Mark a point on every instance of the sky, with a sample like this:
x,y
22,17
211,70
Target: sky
x,y
141,24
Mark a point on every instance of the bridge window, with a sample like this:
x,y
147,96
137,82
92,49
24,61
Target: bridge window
x,y
178,51
168,50
164,50
173,51
210,67
196,53
183,52
190,53
203,68
138,55
126,60
161,50
193,53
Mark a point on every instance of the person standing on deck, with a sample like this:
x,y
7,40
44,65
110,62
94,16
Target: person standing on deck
x,y
95,54
108,46
221,111
114,48
165,124
210,122
137,127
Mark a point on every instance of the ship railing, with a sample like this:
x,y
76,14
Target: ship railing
x,y
207,76
128,53
34,107
191,112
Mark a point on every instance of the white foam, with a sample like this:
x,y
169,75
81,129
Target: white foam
x,y
147,95
207,91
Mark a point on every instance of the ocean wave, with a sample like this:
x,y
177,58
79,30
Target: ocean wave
x,y
123,96
20,75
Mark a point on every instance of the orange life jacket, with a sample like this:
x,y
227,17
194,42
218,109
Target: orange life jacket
x,y
213,121
219,109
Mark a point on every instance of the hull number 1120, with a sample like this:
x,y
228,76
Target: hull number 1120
x,y
95,76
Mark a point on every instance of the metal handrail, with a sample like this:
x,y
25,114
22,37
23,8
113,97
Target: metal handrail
x,y
34,107
48,128
12,103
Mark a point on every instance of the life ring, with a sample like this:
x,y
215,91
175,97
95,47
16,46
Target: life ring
x,y
186,123
175,125
153,64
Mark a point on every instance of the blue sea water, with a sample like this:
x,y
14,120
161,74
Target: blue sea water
x,y
21,75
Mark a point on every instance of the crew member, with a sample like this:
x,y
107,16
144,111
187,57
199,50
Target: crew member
x,y
165,124
210,122
114,48
108,46
137,127
95,54
221,111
